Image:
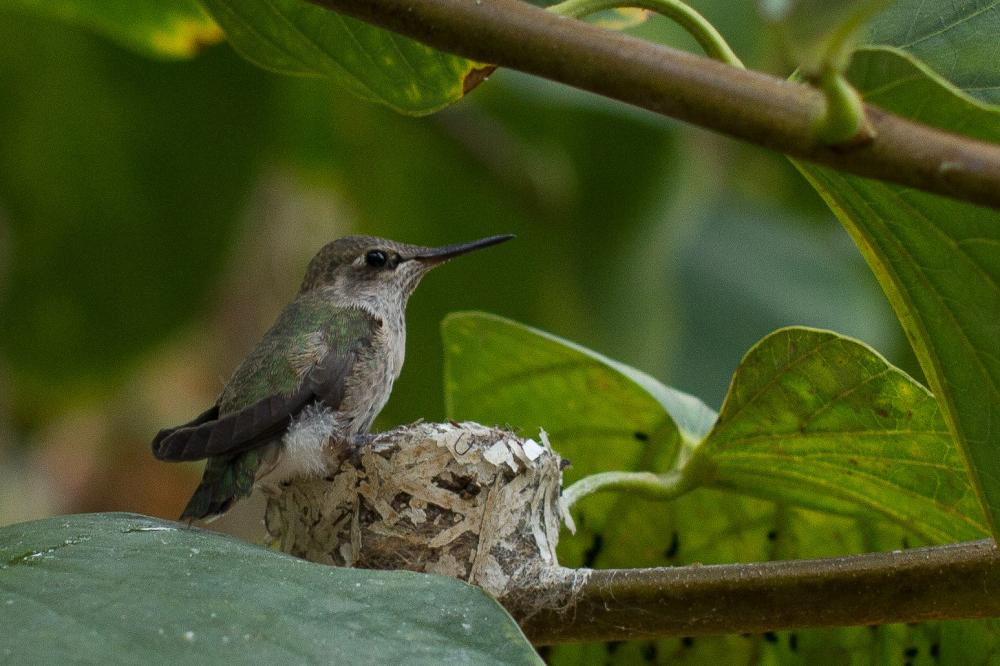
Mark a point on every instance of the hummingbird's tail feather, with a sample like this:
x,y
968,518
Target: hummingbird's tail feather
x,y
204,505
224,482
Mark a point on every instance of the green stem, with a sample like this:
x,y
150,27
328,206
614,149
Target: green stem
x,y
642,484
844,117
695,24
686,474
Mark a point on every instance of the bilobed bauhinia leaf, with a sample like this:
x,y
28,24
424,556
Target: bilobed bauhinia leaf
x,y
160,28
120,588
937,259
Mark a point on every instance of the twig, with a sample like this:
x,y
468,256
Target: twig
x,y
758,108
940,583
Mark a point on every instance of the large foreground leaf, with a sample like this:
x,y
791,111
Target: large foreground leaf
x,y
163,28
120,588
819,420
938,260
295,37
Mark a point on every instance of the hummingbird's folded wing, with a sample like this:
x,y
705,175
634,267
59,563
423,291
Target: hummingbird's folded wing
x,y
240,431
266,419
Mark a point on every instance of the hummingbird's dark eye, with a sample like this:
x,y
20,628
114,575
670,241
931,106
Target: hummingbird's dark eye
x,y
376,258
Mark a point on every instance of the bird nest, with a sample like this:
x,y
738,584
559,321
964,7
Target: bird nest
x,y
463,500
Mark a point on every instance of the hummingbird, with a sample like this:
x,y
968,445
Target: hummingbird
x,y
326,365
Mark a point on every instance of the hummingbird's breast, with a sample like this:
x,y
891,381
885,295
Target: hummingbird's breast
x,y
372,377
366,390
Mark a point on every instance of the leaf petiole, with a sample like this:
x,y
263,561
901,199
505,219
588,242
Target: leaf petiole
x,y
686,475
844,117
695,24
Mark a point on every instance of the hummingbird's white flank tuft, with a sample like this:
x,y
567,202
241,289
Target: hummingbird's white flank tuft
x,y
305,442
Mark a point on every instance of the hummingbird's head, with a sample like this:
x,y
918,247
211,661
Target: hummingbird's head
x,y
370,267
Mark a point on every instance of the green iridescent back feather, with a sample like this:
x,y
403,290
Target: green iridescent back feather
x,y
307,326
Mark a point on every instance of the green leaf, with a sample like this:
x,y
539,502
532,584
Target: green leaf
x,y
821,421
162,28
958,39
820,33
103,588
295,37
595,410
936,259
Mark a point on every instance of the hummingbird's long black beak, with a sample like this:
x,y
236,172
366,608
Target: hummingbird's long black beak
x,y
437,255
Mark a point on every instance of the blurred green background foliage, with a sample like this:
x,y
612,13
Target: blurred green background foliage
x,y
155,215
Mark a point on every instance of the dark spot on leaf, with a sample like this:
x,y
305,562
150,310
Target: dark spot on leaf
x,y
935,650
590,556
745,635
873,627
883,412
641,436
649,652
793,642
770,637
675,544
772,535
853,461
911,652
612,646
906,543
687,641
475,77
